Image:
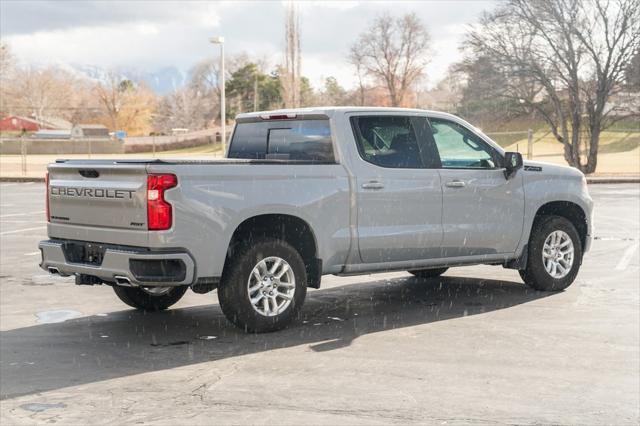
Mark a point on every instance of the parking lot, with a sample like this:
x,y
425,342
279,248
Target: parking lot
x,y
472,347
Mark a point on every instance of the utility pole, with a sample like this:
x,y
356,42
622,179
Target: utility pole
x,y
223,119
292,59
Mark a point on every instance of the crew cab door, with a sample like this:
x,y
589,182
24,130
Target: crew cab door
x,y
398,196
483,211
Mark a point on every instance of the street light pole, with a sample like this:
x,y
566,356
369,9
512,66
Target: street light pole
x,y
223,118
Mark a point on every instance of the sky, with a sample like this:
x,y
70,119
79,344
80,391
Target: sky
x,y
151,35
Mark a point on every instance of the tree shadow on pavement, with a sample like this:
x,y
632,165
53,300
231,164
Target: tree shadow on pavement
x,y
90,349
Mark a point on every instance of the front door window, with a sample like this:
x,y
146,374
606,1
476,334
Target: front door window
x,y
459,148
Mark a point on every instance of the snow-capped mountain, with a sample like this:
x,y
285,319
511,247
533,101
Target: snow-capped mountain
x,y
161,81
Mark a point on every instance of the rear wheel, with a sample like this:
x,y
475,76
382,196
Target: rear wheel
x,y
554,256
150,298
429,273
264,287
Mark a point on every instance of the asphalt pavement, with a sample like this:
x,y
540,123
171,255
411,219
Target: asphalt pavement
x,y
472,347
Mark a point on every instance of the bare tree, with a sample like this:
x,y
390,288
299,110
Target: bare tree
x,y
6,60
41,92
291,73
633,73
6,71
204,76
111,94
185,108
357,60
563,59
204,87
44,93
394,51
85,107
128,105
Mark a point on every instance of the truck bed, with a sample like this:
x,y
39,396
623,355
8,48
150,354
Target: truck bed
x,y
211,200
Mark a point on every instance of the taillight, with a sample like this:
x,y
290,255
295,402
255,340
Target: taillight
x,y
159,211
46,182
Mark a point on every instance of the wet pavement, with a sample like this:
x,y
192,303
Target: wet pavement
x,y
474,346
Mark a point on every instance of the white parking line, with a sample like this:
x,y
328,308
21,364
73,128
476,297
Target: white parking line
x,y
17,231
626,257
32,254
21,214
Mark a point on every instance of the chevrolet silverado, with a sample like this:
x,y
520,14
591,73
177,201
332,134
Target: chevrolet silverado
x,y
308,192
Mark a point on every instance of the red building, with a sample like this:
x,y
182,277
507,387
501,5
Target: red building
x,y
15,123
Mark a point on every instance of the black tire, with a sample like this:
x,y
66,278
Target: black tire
x,y
429,273
140,299
233,292
535,275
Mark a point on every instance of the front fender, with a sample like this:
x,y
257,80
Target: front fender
x,y
554,184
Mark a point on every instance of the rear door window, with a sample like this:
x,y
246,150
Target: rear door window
x,y
394,141
297,140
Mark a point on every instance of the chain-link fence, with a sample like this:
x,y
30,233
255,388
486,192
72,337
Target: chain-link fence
x,y
25,156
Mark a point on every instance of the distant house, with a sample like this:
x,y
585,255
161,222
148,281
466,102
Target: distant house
x,y
56,123
15,123
89,131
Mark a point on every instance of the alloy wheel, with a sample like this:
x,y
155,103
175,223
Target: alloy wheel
x,y
271,286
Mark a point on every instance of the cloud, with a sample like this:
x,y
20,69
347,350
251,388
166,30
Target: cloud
x,y
155,34
110,47
24,17
317,67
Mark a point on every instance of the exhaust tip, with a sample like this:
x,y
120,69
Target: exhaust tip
x,y
53,270
123,281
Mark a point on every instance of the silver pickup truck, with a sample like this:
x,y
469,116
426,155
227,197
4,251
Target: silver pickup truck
x,y
308,192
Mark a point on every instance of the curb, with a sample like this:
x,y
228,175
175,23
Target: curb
x,y
21,179
599,180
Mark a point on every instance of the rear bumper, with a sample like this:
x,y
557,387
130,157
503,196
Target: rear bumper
x,y
123,266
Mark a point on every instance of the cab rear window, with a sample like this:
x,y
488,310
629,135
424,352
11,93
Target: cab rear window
x,y
297,140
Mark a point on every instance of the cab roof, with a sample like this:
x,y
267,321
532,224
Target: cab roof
x,y
331,110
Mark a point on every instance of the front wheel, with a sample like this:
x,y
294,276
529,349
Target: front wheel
x,y
150,298
264,287
555,254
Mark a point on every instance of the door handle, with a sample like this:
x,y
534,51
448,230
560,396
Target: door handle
x,y
373,185
455,184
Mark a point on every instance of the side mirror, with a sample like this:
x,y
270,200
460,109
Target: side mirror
x,y
512,162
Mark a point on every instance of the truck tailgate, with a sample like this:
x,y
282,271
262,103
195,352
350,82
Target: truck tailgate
x,y
98,194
